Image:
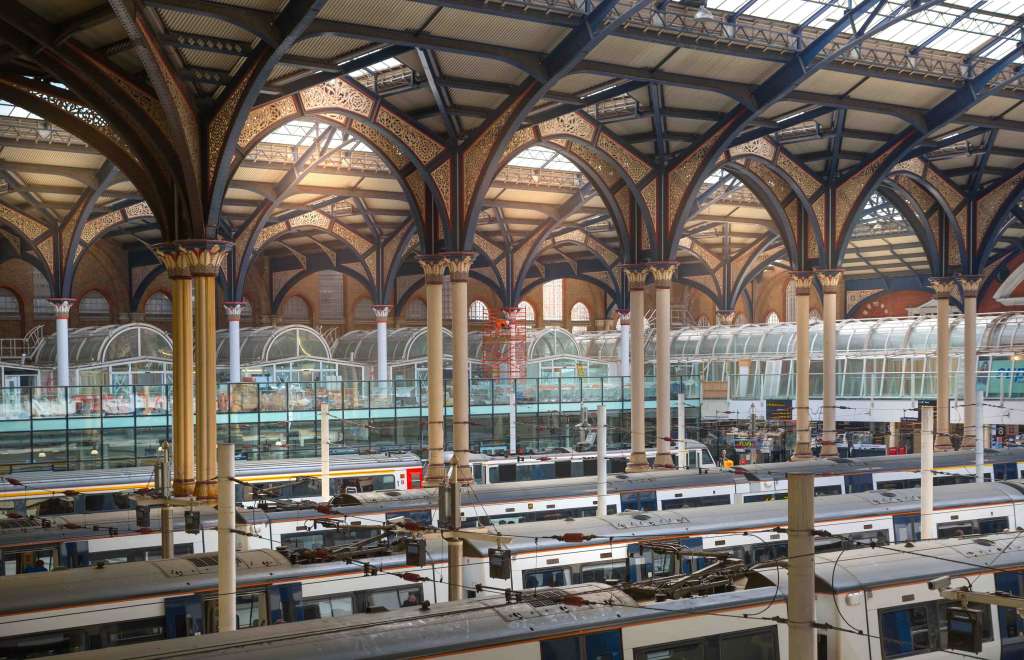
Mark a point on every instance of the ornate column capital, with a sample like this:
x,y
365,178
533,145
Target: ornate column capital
x,y
830,280
200,257
459,264
970,285
623,317
725,316
174,258
434,267
636,275
804,280
381,312
663,272
233,310
944,287
62,307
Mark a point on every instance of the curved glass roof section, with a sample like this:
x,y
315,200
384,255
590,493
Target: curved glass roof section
x,y
985,28
542,158
274,344
108,344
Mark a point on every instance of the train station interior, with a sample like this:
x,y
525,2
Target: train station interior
x,y
582,329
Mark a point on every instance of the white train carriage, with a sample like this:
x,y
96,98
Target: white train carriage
x,y
877,601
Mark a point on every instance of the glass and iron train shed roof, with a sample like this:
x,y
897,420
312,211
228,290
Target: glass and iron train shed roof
x,y
107,344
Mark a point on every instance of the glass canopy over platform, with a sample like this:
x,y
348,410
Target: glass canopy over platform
x,y
130,354
285,354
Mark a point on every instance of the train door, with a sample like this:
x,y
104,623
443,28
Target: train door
x,y
1011,625
907,528
251,610
414,478
283,603
183,616
691,564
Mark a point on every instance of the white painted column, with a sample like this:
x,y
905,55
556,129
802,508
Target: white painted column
x,y
682,454
803,282
433,269
830,280
663,274
325,450
459,264
970,285
233,311
226,568
800,600
602,461
637,276
381,314
624,342
943,290
928,527
62,310
979,434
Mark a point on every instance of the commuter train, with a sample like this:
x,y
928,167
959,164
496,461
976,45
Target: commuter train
x,y
91,491
114,604
81,539
877,601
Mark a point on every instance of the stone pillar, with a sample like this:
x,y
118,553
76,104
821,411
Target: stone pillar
x,y
725,316
637,276
62,311
663,274
943,287
233,311
206,257
803,282
830,280
175,260
459,264
380,312
433,271
624,326
970,285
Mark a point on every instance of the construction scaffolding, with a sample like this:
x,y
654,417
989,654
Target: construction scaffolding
x,y
503,355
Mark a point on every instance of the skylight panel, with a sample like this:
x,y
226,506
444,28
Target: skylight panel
x,y
542,158
11,110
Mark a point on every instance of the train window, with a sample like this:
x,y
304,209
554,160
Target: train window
x,y
597,646
858,483
133,632
642,501
545,577
30,560
919,628
327,607
56,506
563,469
506,473
589,467
1004,471
757,498
392,599
758,644
136,554
992,525
898,484
828,490
535,472
614,570
422,516
686,503
478,473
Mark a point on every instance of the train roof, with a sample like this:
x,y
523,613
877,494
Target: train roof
x,y
866,568
541,489
28,592
698,521
60,481
870,464
445,629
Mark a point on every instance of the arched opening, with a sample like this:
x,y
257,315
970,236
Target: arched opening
x,y
478,311
295,310
883,243
772,318
94,308
551,295
527,313
158,307
579,315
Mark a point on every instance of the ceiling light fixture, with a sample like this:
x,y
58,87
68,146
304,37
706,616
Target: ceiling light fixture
x,y
703,14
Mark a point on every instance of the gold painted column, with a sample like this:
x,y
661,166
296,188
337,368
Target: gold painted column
x,y
433,271
830,280
637,276
943,287
458,266
970,285
663,274
206,257
803,281
176,262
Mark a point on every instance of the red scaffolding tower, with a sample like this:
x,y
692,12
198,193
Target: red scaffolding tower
x,y
504,345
